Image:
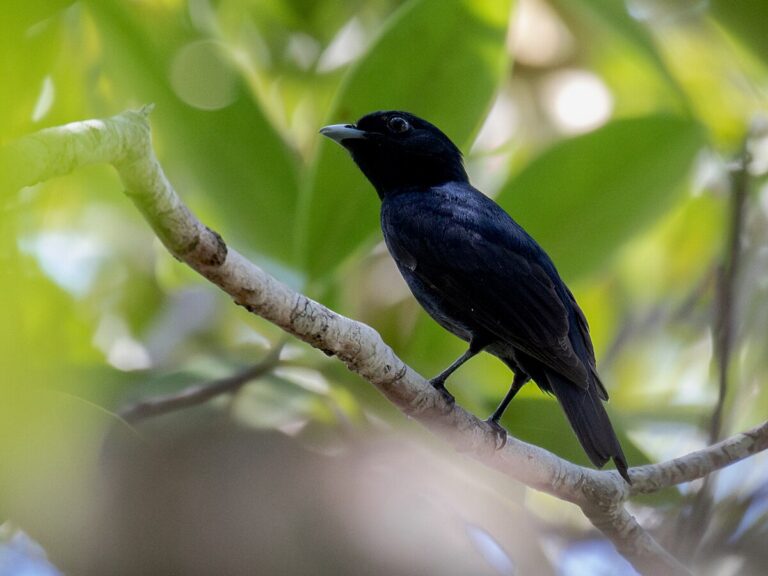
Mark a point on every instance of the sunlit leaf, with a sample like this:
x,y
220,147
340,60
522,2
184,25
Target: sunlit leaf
x,y
585,196
440,59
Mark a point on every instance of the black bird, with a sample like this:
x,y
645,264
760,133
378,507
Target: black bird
x,y
478,273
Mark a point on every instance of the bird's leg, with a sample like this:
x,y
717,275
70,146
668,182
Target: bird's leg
x,y
439,381
493,421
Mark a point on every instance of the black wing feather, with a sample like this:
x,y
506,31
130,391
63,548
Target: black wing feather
x,y
473,259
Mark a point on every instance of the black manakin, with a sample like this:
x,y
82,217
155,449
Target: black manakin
x,y
478,273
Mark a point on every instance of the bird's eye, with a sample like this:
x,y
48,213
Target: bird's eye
x,y
398,125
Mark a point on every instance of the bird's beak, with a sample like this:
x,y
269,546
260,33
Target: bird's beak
x,y
341,132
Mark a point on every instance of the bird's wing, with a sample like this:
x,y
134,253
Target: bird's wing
x,y
484,264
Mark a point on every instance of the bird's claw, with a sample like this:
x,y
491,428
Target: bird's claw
x,y
499,432
439,385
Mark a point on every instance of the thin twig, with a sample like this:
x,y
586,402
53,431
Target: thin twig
x,y
199,393
728,278
723,328
654,477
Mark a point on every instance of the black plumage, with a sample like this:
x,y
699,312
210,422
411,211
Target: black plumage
x,y
478,273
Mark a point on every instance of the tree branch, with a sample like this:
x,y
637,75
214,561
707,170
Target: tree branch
x,y
124,141
654,477
198,393
635,544
728,278
724,327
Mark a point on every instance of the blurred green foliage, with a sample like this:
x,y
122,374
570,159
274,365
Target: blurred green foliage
x,y
606,128
593,170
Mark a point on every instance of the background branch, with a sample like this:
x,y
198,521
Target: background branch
x,y
724,329
124,141
727,284
199,393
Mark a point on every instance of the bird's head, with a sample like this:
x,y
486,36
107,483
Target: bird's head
x,y
398,151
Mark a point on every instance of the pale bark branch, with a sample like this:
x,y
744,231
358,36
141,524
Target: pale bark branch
x,y
634,543
654,477
124,141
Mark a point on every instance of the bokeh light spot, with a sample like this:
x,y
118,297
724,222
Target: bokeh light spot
x,y
577,100
539,37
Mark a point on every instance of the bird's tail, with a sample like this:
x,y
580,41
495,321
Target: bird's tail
x,y
588,418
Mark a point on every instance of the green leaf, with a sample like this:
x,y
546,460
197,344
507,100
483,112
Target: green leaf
x,y
585,196
19,15
440,59
244,168
27,58
747,20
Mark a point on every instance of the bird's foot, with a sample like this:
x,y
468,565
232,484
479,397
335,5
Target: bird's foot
x,y
439,385
499,432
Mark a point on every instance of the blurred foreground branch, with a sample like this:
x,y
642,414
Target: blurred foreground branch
x,y
124,141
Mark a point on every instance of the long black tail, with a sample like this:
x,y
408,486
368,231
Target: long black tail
x,y
588,418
